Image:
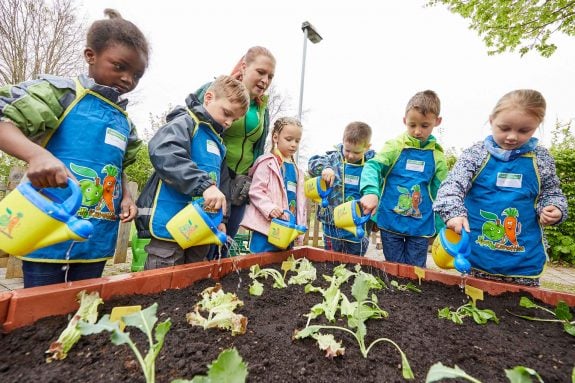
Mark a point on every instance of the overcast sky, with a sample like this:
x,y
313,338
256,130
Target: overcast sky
x,y
375,55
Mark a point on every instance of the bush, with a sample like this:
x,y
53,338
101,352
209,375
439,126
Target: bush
x,y
142,169
561,238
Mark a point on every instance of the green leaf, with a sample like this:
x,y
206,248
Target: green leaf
x,y
438,372
520,374
256,288
563,312
569,328
228,368
526,302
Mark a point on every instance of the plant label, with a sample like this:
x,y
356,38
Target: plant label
x,y
120,311
474,293
419,272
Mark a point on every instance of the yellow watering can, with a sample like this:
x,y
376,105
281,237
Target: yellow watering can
x,y
450,250
32,218
349,216
192,226
281,233
316,189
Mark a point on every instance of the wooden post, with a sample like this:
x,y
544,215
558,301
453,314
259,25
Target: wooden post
x,y
124,230
14,265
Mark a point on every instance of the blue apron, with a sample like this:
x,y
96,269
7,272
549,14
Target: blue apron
x,y
405,204
207,151
289,174
351,176
91,141
506,237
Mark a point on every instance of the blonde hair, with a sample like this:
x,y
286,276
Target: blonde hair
x,y
357,132
529,100
424,102
256,51
231,89
279,125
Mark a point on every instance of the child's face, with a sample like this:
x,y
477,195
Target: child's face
x,y
512,128
222,110
287,140
117,66
354,152
258,75
420,126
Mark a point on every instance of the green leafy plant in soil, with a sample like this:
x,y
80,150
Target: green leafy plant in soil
x,y
517,374
480,316
357,313
561,313
229,367
144,320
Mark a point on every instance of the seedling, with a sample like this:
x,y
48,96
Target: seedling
x,y
229,367
518,374
408,287
87,312
304,269
257,288
468,310
561,313
357,314
219,307
145,321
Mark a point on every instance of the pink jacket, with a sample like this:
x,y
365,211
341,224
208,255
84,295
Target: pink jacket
x,y
267,192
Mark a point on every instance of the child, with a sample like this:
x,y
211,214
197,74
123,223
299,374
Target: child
x,y
341,169
401,181
246,138
187,154
277,185
78,128
503,190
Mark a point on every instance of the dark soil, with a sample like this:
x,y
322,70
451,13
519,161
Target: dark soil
x,y
483,351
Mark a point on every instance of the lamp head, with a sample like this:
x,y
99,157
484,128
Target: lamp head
x,y
312,33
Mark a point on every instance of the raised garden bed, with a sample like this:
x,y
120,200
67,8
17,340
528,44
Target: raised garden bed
x,y
483,351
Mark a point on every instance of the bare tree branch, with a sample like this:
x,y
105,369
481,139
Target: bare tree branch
x,y
39,36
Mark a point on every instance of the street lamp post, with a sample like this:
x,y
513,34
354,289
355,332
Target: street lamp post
x,y
311,34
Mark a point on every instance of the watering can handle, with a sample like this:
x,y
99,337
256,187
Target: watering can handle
x,y
290,215
71,204
216,217
364,217
463,246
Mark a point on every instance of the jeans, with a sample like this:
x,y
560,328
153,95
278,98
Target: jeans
x,y
232,227
42,273
347,247
404,249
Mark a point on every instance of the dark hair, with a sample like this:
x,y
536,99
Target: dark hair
x,y
116,30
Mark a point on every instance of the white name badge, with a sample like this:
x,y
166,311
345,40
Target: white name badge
x,y
509,180
212,147
351,179
116,139
291,186
414,165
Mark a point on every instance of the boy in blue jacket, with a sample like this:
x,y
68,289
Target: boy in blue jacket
x,y
341,169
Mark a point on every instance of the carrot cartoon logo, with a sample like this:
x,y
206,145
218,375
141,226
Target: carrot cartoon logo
x,y
501,235
188,229
409,201
111,189
9,221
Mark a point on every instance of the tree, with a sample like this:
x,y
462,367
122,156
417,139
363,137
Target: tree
x,y
36,37
525,24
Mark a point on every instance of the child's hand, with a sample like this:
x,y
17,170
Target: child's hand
x,y
328,175
457,224
550,215
276,212
222,227
128,209
369,203
214,199
45,170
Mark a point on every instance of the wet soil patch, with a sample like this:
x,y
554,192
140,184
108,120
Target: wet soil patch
x,y
483,351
